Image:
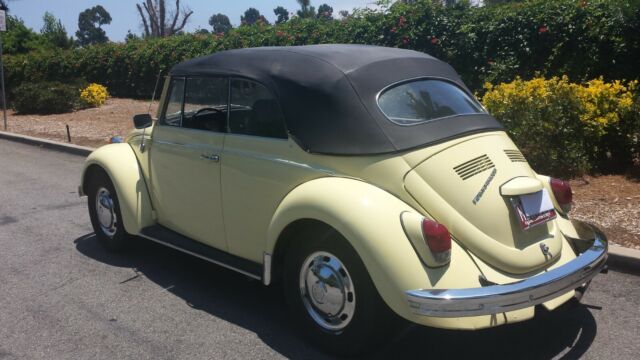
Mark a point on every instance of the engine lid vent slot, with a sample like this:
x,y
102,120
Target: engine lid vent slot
x,y
515,156
473,167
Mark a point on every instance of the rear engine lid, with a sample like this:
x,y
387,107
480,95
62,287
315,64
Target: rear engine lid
x,y
460,187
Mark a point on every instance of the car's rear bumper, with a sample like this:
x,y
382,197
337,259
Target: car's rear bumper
x,y
508,297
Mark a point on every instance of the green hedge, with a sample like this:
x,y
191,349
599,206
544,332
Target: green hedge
x,y
580,39
45,98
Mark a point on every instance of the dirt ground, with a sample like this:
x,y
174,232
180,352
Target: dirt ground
x,y
90,127
612,202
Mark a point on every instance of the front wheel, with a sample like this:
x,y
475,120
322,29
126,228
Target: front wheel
x,y
104,211
333,298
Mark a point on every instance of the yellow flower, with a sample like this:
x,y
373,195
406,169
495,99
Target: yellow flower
x,y
598,104
94,95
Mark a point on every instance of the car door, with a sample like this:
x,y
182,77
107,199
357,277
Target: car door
x,y
184,159
258,170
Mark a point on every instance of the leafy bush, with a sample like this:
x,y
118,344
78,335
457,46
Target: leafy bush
x,y
93,95
45,98
490,43
567,129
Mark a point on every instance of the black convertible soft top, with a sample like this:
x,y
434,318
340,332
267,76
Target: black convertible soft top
x,y
328,94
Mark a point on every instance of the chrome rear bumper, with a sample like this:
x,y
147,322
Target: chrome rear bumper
x,y
508,297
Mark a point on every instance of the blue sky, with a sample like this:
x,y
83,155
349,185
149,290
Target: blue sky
x,y
125,16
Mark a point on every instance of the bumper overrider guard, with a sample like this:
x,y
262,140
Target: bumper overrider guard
x,y
496,299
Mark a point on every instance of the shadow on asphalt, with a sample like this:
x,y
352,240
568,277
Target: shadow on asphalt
x,y
565,333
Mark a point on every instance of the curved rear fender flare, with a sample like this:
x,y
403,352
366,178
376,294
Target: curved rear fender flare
x,y
120,163
369,218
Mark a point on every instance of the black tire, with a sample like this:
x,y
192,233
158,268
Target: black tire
x,y
373,323
113,238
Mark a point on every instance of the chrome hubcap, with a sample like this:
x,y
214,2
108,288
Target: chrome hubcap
x,y
106,212
327,291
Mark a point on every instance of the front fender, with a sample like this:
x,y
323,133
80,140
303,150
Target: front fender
x,y
120,163
370,219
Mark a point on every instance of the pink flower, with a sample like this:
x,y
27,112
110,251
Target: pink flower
x,y
542,29
393,29
279,33
434,40
405,40
402,21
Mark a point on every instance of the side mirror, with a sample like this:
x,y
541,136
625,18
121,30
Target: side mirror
x,y
142,121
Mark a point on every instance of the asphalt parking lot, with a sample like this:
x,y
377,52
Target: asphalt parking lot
x,y
63,297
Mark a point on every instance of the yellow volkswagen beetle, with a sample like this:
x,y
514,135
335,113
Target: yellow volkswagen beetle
x,y
369,181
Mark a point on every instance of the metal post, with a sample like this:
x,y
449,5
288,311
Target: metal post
x,y
4,98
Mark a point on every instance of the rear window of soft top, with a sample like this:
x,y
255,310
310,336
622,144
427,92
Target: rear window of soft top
x,y
424,100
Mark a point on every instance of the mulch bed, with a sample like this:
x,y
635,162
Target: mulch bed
x,y
89,127
611,202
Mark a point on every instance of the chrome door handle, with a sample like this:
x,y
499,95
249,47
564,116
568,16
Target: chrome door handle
x,y
210,157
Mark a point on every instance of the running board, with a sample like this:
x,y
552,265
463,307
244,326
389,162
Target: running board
x,y
172,239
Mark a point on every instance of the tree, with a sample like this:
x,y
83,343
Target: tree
x,y
3,5
325,12
282,14
53,32
89,22
252,16
18,39
306,10
157,22
220,23
344,14
131,36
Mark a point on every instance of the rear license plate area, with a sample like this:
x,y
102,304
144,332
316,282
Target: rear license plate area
x,y
533,209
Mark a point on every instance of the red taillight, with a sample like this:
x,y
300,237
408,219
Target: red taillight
x,y
562,193
438,240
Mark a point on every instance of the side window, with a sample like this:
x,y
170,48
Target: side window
x,y
173,110
205,104
254,111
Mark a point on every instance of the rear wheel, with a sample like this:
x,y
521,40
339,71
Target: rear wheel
x,y
333,299
104,211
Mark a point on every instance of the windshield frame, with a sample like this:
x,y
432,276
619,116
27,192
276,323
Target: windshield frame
x,y
446,80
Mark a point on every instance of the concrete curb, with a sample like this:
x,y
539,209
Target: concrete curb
x,y
625,259
49,144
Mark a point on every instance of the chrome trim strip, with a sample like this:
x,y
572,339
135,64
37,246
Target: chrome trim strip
x,y
266,275
201,257
256,156
519,295
186,146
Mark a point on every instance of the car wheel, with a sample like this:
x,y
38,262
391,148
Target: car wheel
x,y
104,211
333,299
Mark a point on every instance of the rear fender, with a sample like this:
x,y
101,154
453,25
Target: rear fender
x,y
370,219
120,163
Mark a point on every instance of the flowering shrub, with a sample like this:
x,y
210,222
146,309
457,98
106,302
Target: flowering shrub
x,y
605,104
93,95
566,128
488,43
